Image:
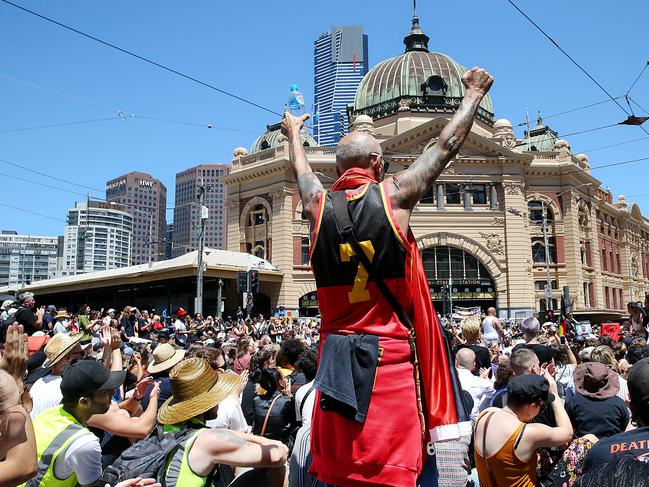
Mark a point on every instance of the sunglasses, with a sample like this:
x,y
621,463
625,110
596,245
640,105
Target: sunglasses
x,y
386,161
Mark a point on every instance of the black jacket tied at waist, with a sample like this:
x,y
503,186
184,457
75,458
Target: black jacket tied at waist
x,y
346,374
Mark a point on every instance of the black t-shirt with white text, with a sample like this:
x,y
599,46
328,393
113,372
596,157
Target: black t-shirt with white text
x,y
606,450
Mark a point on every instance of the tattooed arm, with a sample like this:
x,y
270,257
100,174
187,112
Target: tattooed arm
x,y
410,184
307,182
216,445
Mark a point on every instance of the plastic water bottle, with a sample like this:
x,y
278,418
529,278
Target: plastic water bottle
x,y
295,102
295,105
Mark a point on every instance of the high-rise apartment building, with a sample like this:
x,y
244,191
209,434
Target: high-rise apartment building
x,y
26,258
187,214
98,237
340,62
146,198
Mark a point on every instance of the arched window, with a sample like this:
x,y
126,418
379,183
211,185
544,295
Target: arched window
x,y
258,215
538,250
264,145
535,209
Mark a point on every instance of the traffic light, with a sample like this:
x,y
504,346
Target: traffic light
x,y
242,281
566,307
253,281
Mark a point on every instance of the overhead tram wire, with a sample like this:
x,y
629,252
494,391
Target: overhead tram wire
x,y
121,114
38,183
522,124
62,124
622,163
615,145
583,70
556,44
141,58
60,93
56,178
637,78
32,212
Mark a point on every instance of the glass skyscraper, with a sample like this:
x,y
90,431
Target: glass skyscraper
x,y
340,62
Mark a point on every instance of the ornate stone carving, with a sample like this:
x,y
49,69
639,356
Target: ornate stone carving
x,y
504,133
301,228
494,243
513,189
363,123
635,267
499,221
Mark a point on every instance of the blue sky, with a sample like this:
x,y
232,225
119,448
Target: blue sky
x,y
256,49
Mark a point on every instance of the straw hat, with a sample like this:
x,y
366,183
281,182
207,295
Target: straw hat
x,y
59,346
196,388
62,315
165,357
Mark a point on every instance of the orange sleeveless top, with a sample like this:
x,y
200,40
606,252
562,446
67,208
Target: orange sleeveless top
x,y
507,470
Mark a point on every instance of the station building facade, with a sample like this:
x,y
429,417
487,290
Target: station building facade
x,y
480,227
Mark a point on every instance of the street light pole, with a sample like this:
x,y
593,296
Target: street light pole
x,y
198,305
548,283
219,300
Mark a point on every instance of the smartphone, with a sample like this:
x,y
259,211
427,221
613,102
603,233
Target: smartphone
x,y
562,339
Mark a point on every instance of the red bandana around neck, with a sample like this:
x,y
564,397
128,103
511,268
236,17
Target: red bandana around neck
x,y
353,178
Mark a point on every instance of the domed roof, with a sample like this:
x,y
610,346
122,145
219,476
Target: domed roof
x,y
271,138
417,79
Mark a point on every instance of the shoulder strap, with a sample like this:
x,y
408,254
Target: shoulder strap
x,y
263,428
346,228
484,448
308,393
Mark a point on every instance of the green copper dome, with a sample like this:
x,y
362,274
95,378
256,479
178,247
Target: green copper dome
x,y
270,138
418,80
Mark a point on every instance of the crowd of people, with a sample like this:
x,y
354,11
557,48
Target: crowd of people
x,y
84,397
380,392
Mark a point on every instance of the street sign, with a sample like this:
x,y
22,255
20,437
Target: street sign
x,y
548,291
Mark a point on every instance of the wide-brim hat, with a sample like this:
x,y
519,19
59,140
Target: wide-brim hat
x,y
596,380
62,315
164,358
59,346
196,388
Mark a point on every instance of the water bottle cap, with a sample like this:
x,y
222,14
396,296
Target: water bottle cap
x,y
293,88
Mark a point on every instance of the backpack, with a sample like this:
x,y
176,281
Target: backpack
x,y
146,458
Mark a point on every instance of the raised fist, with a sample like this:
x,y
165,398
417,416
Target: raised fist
x,y
292,124
478,80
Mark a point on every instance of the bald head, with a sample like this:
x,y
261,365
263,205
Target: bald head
x,y
354,151
491,311
465,358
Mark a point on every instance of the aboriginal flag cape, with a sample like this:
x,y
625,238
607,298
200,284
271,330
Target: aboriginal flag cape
x,y
444,410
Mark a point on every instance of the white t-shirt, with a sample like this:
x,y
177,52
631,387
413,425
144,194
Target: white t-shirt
x,y
46,394
82,457
229,416
309,403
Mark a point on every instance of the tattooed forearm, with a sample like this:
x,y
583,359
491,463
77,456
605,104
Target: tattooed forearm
x,y
308,183
309,186
415,181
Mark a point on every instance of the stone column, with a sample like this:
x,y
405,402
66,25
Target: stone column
x,y
572,249
596,256
493,198
520,285
441,196
468,198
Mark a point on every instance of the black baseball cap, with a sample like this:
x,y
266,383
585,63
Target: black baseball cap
x,y
87,376
638,383
529,388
